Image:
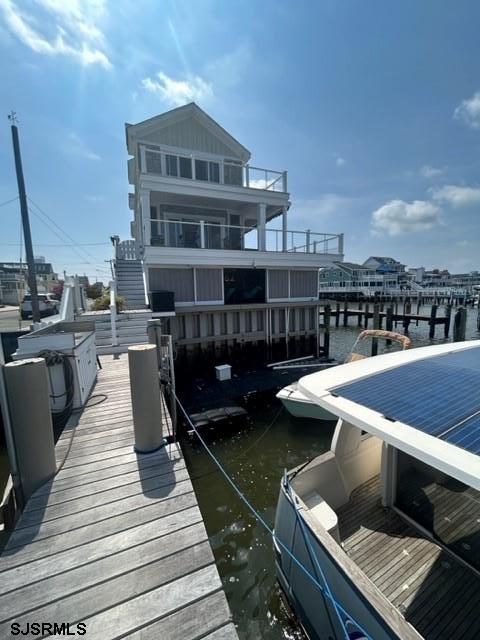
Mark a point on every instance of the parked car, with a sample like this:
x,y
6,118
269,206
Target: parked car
x,y
47,304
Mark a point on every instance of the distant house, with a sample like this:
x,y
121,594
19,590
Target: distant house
x,y
13,279
349,275
383,264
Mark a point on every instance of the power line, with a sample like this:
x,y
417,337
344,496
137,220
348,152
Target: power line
x,y
67,235
2,204
63,244
58,235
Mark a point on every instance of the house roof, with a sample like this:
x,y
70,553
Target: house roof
x,y
187,111
353,266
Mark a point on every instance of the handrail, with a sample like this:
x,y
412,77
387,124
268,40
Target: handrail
x,y
245,179
113,312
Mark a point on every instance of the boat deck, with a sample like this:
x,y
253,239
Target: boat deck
x,y
116,540
436,593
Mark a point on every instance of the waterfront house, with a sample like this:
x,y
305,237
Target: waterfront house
x,y
210,237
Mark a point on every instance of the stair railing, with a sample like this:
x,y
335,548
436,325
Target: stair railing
x,y
113,312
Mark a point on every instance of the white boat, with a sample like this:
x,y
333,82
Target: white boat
x,y
300,406
379,537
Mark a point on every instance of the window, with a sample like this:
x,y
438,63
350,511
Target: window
x,y
171,165
244,286
214,171
233,173
201,170
447,508
185,167
154,162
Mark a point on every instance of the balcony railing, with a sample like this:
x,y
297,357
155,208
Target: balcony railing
x,y
228,172
215,235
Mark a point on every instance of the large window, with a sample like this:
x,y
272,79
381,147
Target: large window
x,y
171,163
185,167
244,286
447,508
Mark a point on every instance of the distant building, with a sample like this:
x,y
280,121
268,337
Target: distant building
x,y
383,264
47,279
348,275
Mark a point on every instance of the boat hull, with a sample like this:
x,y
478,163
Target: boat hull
x,y
313,608
301,407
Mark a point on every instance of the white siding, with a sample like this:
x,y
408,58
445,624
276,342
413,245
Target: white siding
x,y
303,284
209,285
190,134
180,281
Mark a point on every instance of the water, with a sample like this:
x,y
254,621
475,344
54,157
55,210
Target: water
x,y
256,458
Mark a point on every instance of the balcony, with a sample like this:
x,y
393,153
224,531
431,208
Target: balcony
x,y
213,171
214,235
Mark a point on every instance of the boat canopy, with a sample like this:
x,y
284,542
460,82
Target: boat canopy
x,y
425,402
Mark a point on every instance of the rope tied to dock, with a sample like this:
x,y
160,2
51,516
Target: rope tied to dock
x,y
325,591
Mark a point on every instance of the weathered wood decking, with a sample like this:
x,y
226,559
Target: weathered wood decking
x,y
436,593
116,540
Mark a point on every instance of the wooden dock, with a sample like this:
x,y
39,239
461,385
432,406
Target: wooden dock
x,y
116,540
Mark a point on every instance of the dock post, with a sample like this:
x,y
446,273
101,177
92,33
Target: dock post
x,y
419,302
326,334
153,333
389,322
359,315
345,313
478,318
433,316
365,322
376,325
460,325
448,316
28,393
396,312
337,314
146,400
407,310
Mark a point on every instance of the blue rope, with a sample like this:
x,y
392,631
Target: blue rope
x,y
327,593
316,563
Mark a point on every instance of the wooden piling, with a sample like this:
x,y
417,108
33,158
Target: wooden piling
x,y
337,314
407,310
389,322
433,316
326,330
376,325
345,313
460,325
365,319
448,315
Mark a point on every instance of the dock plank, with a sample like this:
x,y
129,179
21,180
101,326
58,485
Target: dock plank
x,y
116,539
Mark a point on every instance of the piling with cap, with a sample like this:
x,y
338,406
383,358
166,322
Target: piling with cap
x,y
28,393
146,400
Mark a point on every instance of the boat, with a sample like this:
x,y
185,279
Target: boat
x,y
379,537
298,405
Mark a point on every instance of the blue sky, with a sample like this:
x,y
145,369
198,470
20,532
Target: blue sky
x,y
372,106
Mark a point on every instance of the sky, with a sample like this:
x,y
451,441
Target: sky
x,y
372,106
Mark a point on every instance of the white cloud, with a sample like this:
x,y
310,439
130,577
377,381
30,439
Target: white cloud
x,y
76,146
468,111
456,196
178,92
60,27
397,217
430,172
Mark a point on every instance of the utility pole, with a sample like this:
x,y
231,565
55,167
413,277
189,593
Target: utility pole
x,y
27,235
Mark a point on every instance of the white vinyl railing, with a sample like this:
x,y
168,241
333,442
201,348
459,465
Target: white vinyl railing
x,y
126,250
113,311
215,235
214,171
